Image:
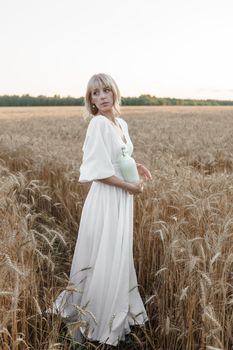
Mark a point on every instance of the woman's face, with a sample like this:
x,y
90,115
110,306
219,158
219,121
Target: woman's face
x,y
102,97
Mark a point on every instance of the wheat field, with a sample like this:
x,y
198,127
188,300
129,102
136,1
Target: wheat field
x,y
183,224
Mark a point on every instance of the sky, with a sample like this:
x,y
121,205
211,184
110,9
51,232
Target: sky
x,y
165,48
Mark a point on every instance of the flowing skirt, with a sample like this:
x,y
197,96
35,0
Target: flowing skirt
x,y
103,291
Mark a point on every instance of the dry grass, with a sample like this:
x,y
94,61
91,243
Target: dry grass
x,y
183,244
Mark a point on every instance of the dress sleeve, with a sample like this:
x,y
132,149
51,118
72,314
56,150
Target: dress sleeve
x,y
96,162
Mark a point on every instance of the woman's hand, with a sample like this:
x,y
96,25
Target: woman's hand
x,y
144,172
134,187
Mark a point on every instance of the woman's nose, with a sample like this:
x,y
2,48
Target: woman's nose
x,y
102,94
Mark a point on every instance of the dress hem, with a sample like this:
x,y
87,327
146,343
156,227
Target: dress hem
x,y
119,338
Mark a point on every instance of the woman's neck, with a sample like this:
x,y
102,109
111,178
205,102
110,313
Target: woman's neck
x,y
110,115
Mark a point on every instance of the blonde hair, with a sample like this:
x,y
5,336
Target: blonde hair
x,y
102,80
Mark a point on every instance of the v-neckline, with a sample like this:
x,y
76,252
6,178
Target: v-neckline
x,y
119,123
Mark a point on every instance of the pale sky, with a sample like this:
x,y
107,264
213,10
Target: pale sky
x,y
165,48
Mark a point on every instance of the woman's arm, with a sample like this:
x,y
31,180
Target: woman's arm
x,y
132,188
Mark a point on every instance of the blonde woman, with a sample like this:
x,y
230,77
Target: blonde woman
x,y
103,280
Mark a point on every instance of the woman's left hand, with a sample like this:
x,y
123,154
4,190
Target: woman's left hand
x,y
144,172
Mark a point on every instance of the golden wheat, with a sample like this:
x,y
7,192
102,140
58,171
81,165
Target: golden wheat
x,y
183,228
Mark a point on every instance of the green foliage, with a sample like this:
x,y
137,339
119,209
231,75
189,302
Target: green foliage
x,y
148,100
142,100
27,100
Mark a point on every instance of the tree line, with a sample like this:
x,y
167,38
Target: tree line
x,y
142,100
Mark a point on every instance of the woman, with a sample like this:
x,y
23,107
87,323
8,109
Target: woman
x,y
103,293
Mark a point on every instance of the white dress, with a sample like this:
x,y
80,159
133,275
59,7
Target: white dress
x,y
103,292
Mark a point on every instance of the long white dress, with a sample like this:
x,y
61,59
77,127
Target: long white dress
x,y
103,291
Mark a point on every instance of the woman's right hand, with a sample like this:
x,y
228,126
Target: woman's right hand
x,y
135,187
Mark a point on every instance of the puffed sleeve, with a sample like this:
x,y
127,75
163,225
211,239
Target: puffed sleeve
x,y
96,162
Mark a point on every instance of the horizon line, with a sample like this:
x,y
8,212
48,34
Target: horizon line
x,y
144,94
